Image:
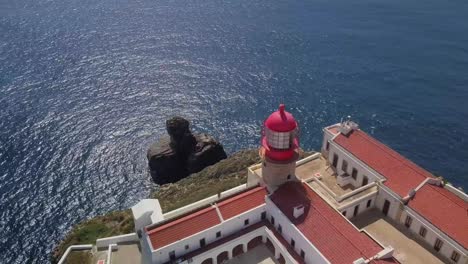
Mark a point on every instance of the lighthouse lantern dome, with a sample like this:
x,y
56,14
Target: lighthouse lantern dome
x,y
280,135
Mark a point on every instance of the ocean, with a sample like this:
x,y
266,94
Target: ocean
x,y
86,87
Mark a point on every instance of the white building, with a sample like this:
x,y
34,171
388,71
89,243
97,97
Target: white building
x,y
305,211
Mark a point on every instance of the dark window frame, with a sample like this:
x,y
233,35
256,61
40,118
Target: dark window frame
x,y
408,221
455,256
172,255
354,173
302,254
263,215
438,244
369,203
344,166
422,231
202,242
246,222
293,243
218,234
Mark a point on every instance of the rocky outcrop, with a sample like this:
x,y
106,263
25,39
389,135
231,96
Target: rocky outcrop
x,y
182,153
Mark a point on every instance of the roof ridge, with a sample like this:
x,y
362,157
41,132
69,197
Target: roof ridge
x,y
240,195
184,218
443,194
395,155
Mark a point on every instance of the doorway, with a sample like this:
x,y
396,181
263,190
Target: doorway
x,y
386,206
356,210
335,160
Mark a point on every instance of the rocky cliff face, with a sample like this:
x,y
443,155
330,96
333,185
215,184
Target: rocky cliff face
x,y
181,153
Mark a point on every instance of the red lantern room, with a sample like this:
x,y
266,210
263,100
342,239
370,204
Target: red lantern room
x,y
280,137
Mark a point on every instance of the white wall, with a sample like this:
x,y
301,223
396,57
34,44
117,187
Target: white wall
x,y
353,162
289,231
227,228
362,206
432,233
395,204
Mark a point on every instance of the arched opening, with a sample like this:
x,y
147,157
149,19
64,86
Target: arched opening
x,y
223,257
270,246
238,250
254,242
208,261
281,259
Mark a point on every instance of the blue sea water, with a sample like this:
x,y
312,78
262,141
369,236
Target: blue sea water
x,y
85,87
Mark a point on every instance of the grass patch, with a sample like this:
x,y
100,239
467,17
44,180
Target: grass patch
x,y
79,257
112,224
216,178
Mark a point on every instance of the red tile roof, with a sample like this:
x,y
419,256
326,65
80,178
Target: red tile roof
x,y
206,218
183,227
402,175
242,203
443,209
325,228
439,206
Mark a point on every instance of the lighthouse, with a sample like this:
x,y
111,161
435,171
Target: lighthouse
x,y
279,148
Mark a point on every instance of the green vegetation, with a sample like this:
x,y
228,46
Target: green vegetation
x,y
79,257
219,177
112,224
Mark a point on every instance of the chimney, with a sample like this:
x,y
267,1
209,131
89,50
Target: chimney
x,y
298,211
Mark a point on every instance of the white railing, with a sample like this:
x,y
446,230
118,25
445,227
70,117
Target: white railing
x,y
109,252
104,242
71,248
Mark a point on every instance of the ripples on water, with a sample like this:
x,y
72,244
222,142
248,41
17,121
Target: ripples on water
x,y
86,86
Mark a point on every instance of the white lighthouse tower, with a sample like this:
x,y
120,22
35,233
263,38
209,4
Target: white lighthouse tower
x,y
279,150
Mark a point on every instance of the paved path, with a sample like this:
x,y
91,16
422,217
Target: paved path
x,y
387,232
257,255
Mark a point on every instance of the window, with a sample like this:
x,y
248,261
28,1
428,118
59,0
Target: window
x,y
369,203
202,242
422,231
408,221
280,229
344,166
218,234
438,244
356,210
354,173
172,255
272,220
187,247
289,176
327,146
246,221
263,215
455,256
344,213
278,140
302,254
293,243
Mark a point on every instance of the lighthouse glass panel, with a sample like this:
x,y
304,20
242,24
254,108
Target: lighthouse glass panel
x,y
278,140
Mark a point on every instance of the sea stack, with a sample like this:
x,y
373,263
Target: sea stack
x,y
181,153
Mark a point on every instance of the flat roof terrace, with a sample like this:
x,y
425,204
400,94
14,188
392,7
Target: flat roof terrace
x,y
407,247
321,177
